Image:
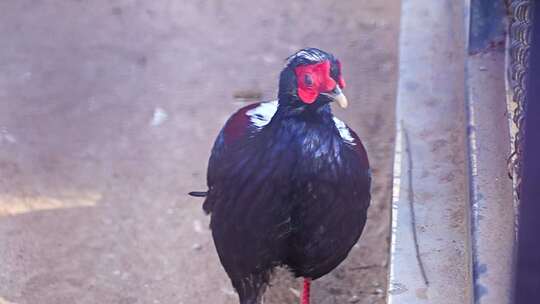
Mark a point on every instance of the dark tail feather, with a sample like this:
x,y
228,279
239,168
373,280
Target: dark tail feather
x,y
198,193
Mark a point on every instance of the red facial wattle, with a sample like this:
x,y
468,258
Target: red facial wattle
x,y
314,79
341,81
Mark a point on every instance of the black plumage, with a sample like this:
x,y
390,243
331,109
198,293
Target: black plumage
x,y
288,184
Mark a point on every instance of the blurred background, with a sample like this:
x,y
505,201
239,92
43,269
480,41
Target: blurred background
x,y
108,111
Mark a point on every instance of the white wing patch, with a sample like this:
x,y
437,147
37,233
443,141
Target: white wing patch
x,y
261,115
344,131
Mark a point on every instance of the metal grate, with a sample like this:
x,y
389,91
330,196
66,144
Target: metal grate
x,y
520,41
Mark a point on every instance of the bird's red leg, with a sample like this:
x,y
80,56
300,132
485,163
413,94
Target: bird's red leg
x,y
305,293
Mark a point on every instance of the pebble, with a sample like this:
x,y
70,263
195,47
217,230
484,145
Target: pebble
x,y
196,247
295,292
228,291
197,226
158,117
7,137
269,58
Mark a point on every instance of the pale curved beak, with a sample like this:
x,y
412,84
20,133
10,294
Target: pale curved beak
x,y
338,96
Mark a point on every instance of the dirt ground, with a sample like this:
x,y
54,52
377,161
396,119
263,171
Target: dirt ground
x,y
108,110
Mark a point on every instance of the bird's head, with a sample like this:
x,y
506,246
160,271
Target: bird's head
x,y
311,77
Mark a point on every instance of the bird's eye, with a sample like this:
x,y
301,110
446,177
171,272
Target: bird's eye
x,y
308,80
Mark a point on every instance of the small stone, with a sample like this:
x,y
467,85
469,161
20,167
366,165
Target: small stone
x,y
158,117
295,292
7,137
269,58
482,68
354,299
197,226
196,247
228,291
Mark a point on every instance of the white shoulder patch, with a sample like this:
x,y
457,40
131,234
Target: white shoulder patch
x,y
344,131
261,115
